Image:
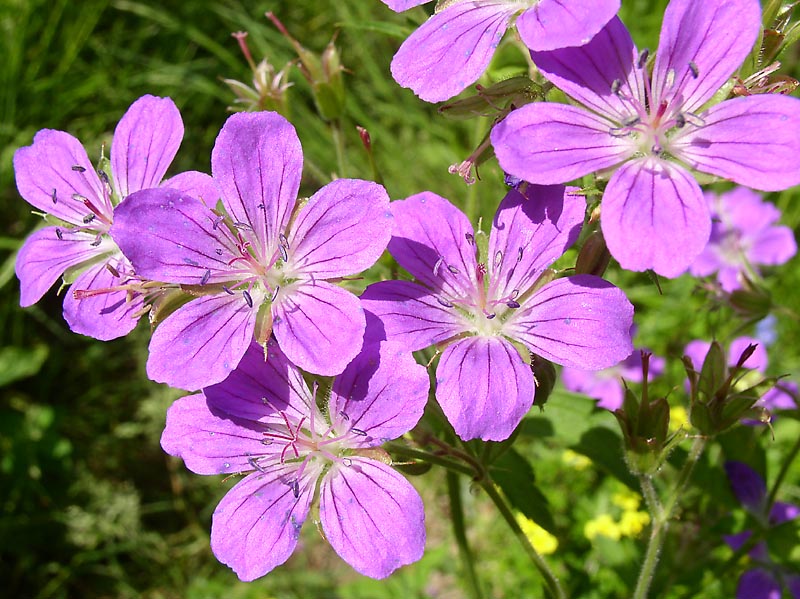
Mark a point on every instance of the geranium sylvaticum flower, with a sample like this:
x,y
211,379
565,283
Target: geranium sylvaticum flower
x,y
297,448
263,263
648,129
743,236
488,312
56,176
452,49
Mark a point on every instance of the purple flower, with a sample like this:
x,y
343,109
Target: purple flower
x,y
644,129
743,235
486,312
452,49
763,581
606,385
780,397
56,176
265,263
264,421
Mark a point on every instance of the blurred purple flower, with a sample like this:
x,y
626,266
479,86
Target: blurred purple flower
x,y
261,265
485,313
264,421
780,397
606,385
764,580
743,236
645,129
56,176
453,48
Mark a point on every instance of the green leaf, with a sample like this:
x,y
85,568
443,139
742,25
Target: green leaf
x,y
18,362
515,476
604,447
713,373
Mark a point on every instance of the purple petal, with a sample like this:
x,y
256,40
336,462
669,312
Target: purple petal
x,y
431,241
411,314
342,230
736,541
319,326
257,162
589,72
783,512
747,485
758,584
753,141
552,24
548,143
107,314
372,516
529,233
172,237
200,343
45,256
56,165
654,217
262,385
580,321
743,210
697,351
452,49
257,524
195,184
209,440
701,45
792,583
483,387
381,393
606,389
145,142
774,245
401,5
780,397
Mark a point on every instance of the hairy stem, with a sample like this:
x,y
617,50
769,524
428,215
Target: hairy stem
x,y
459,530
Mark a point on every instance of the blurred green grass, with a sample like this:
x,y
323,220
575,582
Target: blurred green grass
x,y
91,507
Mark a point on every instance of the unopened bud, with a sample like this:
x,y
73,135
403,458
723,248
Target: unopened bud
x,y
496,100
594,256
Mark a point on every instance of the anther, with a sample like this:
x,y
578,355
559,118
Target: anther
x,y
217,222
444,302
206,277
680,120
347,461
295,489
514,294
283,240
96,241
693,119
344,415
78,168
437,265
247,298
229,292
190,262
88,218
218,251
490,316
254,464
453,269
615,86
284,253
643,56
358,431
103,177
78,197
693,68
54,196
114,272
512,304
519,255
498,258
470,238
275,293
59,234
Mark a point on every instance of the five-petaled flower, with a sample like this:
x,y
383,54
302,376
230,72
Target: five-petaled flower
x,y
743,236
56,176
452,49
264,420
487,312
262,264
650,129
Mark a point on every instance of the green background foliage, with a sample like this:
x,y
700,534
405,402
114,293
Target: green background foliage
x,y
89,504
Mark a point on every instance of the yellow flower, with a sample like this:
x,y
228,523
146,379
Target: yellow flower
x,y
575,459
603,525
542,541
633,523
626,500
678,418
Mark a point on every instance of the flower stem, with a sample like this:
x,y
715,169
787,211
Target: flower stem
x,y
459,530
338,144
551,581
660,517
773,492
403,451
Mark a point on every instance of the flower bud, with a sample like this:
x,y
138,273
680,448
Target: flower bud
x,y
594,256
497,100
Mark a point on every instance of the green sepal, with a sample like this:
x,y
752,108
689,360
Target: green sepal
x,y
713,373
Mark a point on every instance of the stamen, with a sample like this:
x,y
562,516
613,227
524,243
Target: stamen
x,y
514,294
218,251
616,85
217,222
512,304
680,120
693,68
295,489
78,168
519,255
498,259
275,293
453,269
489,315
114,272
693,119
444,302
206,277
344,415
247,298
190,262
437,265
53,196
643,56
88,218
104,177
59,234
358,431
283,240
470,238
284,253
96,241
228,291
255,465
